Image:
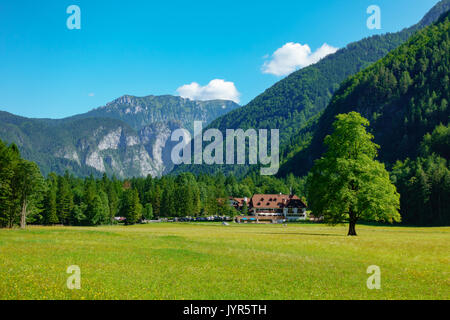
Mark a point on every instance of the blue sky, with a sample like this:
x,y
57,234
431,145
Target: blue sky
x,y
156,47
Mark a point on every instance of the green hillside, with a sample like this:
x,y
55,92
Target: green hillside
x,y
405,96
41,140
294,103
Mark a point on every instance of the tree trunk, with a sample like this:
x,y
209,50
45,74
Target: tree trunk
x,y
23,215
352,225
351,228
10,219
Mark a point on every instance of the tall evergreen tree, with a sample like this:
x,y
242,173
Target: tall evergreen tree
x,y
64,200
50,205
168,207
131,207
156,201
9,159
29,185
147,212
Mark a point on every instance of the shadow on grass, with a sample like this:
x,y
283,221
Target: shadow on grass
x,y
305,234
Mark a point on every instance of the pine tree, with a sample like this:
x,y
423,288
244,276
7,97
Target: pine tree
x,y
155,199
64,200
113,201
50,206
147,212
131,206
9,159
168,208
29,185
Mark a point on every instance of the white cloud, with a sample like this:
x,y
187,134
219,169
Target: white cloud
x,y
91,94
215,89
293,56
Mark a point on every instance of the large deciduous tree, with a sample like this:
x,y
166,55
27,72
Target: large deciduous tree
x,y
347,183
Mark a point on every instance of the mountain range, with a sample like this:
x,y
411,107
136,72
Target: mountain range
x,y
294,104
397,80
404,95
129,136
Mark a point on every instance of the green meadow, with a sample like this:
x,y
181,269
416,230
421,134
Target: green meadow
x,y
211,261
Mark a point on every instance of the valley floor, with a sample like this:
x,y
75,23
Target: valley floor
x,y
211,261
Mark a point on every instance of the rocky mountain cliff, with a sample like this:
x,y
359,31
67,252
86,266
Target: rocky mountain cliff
x,y
128,137
139,112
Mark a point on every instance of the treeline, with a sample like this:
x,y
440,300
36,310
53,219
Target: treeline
x,y
26,197
424,183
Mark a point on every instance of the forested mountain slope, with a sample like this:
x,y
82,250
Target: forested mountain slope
x,y
293,103
405,95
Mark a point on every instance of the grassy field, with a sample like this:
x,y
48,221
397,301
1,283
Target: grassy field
x,y
211,261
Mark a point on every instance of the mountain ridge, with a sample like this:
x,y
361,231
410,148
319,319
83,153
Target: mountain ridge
x,y
292,103
140,111
96,143
404,95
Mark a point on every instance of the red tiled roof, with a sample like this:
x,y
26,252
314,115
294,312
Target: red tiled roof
x,y
275,201
239,202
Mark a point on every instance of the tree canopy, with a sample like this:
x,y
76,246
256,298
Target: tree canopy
x,y
347,183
